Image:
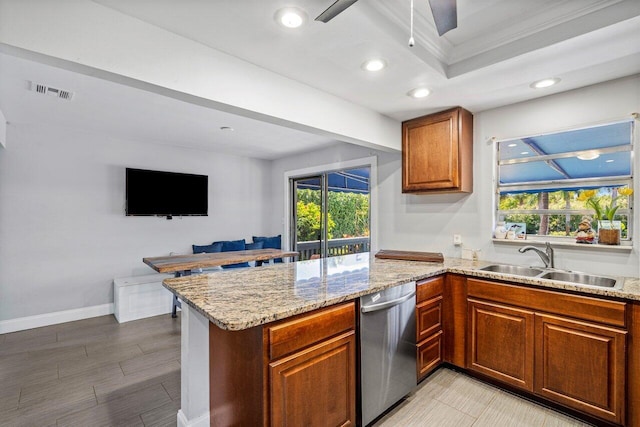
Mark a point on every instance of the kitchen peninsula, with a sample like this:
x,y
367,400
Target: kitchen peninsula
x,y
241,328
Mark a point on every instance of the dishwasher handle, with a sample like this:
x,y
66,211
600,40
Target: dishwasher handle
x,y
387,304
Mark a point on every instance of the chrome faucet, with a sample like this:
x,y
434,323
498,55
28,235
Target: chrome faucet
x,y
546,256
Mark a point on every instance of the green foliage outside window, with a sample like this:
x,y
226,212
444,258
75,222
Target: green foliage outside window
x,y
558,224
348,215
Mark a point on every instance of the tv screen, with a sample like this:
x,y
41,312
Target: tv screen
x,y
166,193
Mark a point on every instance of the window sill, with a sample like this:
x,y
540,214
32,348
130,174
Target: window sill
x,y
624,247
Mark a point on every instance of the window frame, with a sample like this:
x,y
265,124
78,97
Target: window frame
x,y
569,184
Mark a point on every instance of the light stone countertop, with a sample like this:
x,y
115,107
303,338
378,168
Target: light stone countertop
x,y
242,298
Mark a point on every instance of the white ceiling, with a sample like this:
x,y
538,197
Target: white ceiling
x,y
498,49
134,114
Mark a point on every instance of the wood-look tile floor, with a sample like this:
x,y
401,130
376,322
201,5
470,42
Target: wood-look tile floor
x,y
449,398
93,372
97,372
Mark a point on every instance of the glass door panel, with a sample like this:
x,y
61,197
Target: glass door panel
x,y
307,218
348,212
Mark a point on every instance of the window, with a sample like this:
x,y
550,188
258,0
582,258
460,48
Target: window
x,y
544,182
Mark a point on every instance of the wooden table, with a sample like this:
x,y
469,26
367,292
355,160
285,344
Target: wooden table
x,y
181,265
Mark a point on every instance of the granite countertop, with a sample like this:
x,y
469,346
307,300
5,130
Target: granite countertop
x,y
242,298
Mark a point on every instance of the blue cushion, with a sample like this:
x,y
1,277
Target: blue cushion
x,y
274,242
209,249
254,245
230,246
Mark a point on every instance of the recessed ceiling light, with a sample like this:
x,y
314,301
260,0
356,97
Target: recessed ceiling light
x,y
374,64
609,161
419,92
226,128
589,156
524,152
290,17
544,83
512,145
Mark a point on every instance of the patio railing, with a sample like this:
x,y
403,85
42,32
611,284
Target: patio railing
x,y
344,246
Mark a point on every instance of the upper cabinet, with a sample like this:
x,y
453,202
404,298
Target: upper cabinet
x,y
437,153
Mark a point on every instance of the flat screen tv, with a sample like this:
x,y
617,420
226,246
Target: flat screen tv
x,y
158,193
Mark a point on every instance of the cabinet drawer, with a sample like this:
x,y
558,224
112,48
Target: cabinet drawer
x,y
293,335
429,317
581,307
429,354
429,288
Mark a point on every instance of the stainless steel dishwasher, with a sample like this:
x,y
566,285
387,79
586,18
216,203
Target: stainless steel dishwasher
x,y
387,348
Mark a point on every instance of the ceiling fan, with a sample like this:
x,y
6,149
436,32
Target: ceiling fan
x,y
444,12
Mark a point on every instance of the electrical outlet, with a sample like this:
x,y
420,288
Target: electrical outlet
x,y
457,240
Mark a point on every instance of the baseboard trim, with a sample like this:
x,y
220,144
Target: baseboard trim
x,y
201,421
47,319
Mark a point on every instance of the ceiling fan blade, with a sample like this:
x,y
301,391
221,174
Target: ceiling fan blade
x,y
334,10
445,14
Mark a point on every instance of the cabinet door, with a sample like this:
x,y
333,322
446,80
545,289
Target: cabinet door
x,y
429,354
501,343
429,288
316,386
581,365
429,318
430,152
437,152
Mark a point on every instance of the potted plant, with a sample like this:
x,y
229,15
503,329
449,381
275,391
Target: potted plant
x,y
608,229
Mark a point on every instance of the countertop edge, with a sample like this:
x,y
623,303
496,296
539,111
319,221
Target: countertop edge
x,y
431,270
283,314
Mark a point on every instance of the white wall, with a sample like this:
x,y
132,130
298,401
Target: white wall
x,y
428,222
63,232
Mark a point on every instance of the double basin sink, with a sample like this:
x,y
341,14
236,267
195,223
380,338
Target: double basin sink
x,y
573,277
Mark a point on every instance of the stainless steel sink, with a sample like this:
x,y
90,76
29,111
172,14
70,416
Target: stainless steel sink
x,y
580,278
573,277
512,269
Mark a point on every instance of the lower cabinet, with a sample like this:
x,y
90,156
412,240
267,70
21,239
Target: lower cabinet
x,y
316,386
581,365
429,317
299,371
430,354
578,361
501,343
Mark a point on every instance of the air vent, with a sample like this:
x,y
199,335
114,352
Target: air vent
x,y
50,91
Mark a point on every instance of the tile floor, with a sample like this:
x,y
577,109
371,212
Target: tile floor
x,y
449,398
97,372
93,372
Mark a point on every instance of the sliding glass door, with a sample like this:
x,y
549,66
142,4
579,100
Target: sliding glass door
x,y
307,228
330,213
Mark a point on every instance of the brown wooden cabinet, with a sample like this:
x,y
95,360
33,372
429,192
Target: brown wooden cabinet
x,y
316,386
581,365
437,153
501,343
297,371
455,320
429,316
569,349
